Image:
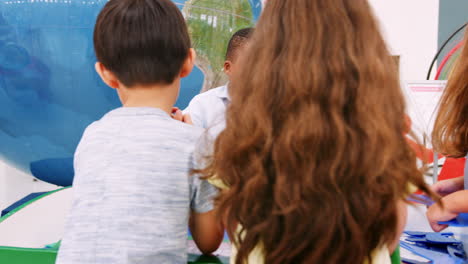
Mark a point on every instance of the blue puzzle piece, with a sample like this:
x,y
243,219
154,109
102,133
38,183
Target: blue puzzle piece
x,y
436,257
415,233
423,234
417,239
460,221
456,251
437,238
412,261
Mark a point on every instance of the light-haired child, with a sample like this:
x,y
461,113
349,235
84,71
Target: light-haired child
x,y
133,192
450,138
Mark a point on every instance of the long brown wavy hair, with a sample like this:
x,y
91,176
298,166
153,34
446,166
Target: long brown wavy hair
x,y
313,153
450,134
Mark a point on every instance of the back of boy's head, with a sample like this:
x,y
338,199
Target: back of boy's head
x,y
142,41
238,40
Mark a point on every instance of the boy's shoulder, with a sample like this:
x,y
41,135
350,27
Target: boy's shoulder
x,y
145,122
213,94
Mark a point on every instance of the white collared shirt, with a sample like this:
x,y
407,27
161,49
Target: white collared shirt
x,y
208,109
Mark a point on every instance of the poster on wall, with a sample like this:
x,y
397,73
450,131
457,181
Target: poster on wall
x,y
422,98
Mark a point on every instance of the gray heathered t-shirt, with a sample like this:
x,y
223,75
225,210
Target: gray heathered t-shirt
x,y
132,190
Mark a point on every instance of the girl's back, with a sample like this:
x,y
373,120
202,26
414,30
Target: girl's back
x,y
314,153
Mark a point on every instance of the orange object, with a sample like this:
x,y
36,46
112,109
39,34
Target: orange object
x,y
452,168
422,153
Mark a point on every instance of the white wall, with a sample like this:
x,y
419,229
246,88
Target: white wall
x,y
15,184
410,28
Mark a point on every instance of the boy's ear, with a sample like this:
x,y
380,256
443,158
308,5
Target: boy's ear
x,y
107,76
227,67
188,64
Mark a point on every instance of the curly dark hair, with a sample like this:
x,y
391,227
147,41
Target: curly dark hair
x,y
238,40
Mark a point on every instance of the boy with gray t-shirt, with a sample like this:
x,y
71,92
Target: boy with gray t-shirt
x,y
133,192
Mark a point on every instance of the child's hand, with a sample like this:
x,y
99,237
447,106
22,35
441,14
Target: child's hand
x,y
436,214
447,187
179,116
187,119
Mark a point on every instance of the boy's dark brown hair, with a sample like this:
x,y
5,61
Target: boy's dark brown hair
x,y
237,40
141,41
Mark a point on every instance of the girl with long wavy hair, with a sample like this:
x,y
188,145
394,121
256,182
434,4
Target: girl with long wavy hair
x,y
450,138
313,155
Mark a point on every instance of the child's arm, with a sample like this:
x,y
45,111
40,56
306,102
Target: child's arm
x,y
206,228
454,204
207,231
446,187
402,211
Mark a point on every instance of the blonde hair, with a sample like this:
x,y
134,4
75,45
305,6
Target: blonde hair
x,y
450,134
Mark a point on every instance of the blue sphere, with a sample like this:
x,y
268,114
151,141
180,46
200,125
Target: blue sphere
x,y
49,91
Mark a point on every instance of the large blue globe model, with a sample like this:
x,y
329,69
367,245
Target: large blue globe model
x,y
49,91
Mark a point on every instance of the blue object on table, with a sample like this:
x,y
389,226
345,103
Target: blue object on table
x,y
437,247
435,256
417,239
411,261
438,238
456,251
415,233
421,199
423,234
460,221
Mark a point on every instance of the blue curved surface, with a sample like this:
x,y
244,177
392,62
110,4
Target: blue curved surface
x,y
256,8
49,91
